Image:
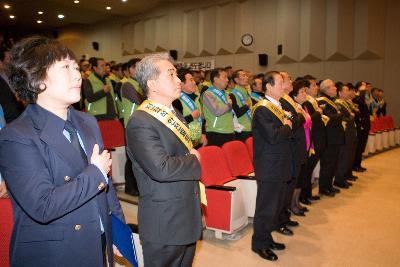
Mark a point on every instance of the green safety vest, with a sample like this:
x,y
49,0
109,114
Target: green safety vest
x,y
219,124
245,119
99,107
129,107
194,126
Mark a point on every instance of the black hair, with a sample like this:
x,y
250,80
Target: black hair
x,y
94,61
182,73
30,59
236,74
215,73
297,85
3,52
269,78
132,62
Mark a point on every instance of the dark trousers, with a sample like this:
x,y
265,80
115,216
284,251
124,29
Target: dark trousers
x,y
345,160
160,255
243,136
362,137
103,247
130,180
328,161
306,191
218,139
269,202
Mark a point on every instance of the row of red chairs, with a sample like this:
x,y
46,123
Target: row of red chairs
x,y
231,188
383,123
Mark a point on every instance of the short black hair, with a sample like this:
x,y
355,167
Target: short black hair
x,y
132,62
182,73
94,61
235,74
3,52
269,78
215,73
297,85
30,60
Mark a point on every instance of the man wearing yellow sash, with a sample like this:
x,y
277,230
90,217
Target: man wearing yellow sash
x,y
335,138
318,135
346,154
272,152
166,167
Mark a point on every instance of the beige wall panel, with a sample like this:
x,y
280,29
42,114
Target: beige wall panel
x,y
392,59
207,31
128,38
161,33
244,23
369,70
288,29
338,71
191,33
149,35
139,37
225,29
175,31
315,69
369,29
312,30
224,60
339,30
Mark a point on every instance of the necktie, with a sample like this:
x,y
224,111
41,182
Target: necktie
x,y
69,127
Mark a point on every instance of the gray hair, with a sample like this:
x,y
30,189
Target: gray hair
x,y
146,69
325,84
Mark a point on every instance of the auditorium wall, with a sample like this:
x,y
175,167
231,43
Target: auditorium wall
x,y
346,40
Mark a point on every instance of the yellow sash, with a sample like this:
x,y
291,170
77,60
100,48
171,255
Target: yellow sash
x,y
166,117
344,104
274,109
290,100
328,101
314,103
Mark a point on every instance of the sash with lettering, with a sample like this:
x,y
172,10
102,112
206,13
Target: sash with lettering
x,y
239,94
314,103
290,100
256,96
274,109
332,104
166,117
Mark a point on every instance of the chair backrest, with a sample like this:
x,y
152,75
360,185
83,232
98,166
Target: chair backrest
x,y
214,168
249,145
238,158
113,133
390,121
6,226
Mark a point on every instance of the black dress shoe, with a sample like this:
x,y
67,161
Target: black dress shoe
x,y
334,190
305,201
304,209
266,253
291,223
315,198
349,183
362,168
359,169
276,246
284,230
343,185
352,178
327,192
297,212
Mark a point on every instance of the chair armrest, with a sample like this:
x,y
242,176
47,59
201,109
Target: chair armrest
x,y
245,177
221,187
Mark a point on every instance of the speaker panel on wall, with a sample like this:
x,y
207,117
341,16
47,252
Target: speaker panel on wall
x,y
95,46
173,54
263,59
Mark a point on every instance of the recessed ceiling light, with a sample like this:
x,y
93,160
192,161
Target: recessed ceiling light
x,y
76,1
108,8
124,0
39,21
60,16
12,17
40,12
7,6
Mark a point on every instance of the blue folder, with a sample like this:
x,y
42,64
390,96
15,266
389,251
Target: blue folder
x,y
122,238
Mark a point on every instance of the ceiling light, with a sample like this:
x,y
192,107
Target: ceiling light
x,y
124,0
76,1
12,17
7,6
40,12
108,8
60,16
39,21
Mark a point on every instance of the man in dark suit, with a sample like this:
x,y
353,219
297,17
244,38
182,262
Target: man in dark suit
x,y
335,138
272,152
167,169
11,106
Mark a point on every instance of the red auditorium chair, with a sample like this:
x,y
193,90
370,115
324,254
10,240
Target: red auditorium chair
x,y
241,167
6,225
113,134
249,145
225,211
382,127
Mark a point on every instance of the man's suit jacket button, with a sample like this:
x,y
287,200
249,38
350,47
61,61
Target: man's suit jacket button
x,y
101,186
78,227
67,178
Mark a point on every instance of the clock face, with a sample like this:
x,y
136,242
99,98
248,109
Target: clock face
x,y
247,39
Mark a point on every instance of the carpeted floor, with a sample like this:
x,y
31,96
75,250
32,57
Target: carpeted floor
x,y
358,227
